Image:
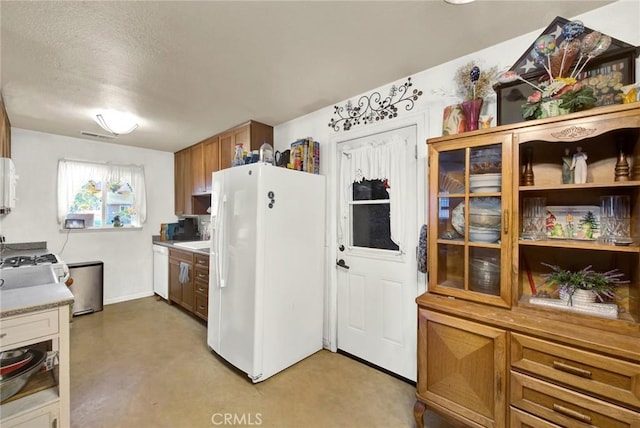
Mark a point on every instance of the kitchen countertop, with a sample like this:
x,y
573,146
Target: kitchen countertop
x,y
171,244
18,301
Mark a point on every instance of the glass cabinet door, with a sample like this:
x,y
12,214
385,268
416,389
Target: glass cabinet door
x,y
468,207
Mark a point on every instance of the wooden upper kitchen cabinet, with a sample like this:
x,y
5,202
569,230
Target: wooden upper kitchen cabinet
x,y
5,132
195,164
211,154
197,169
492,351
251,135
182,182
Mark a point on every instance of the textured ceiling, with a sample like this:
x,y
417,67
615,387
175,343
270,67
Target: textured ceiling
x,y
189,70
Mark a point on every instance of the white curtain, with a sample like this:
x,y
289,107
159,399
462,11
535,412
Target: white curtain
x,y
72,175
134,175
380,159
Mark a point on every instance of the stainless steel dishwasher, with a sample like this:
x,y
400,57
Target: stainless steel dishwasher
x,y
86,286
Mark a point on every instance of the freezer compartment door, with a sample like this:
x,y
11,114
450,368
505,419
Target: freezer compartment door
x,y
233,296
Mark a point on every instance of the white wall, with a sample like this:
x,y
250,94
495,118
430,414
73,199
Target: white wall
x,y
126,254
619,20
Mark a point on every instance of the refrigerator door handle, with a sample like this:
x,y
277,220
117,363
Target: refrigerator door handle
x,y
220,243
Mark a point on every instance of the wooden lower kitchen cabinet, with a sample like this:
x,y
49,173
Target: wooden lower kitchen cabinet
x,y
461,370
193,294
181,292
201,305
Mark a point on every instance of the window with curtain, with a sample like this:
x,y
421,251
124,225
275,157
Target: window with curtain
x,y
103,195
376,166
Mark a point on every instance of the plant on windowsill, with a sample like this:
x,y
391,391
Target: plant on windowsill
x,y
572,286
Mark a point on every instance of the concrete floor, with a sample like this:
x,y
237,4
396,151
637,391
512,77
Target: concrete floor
x,y
144,363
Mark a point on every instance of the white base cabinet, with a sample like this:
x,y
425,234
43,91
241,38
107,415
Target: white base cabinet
x,y
49,407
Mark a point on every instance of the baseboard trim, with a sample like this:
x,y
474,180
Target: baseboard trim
x,y
383,370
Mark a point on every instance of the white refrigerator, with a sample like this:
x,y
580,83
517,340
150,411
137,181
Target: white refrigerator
x,y
266,286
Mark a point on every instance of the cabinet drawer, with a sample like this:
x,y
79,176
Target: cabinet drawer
x,y
183,256
520,419
593,373
202,287
202,275
567,408
202,306
201,260
32,326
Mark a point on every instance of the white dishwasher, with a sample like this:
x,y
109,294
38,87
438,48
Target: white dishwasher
x,y
161,271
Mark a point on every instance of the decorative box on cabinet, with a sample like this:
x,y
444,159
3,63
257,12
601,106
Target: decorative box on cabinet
x,y
588,366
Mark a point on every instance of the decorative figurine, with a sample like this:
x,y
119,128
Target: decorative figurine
x,y
579,166
567,172
527,174
622,166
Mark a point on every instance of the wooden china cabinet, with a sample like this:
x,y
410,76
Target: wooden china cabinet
x,y
489,354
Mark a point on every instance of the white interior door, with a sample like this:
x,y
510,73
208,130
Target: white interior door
x,y
376,281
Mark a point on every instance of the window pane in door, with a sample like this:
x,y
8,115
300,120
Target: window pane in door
x,y
371,227
370,223
370,190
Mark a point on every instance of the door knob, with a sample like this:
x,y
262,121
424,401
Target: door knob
x,y
342,264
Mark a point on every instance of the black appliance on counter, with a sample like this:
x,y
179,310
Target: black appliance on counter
x,y
187,229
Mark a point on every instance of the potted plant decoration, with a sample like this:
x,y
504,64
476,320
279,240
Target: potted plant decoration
x,y
585,285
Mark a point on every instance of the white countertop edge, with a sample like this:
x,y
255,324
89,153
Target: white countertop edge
x,y
23,300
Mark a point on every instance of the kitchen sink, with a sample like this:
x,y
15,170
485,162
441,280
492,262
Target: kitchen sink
x,y
26,276
194,245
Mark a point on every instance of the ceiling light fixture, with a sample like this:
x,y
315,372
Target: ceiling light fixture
x,y
457,2
116,123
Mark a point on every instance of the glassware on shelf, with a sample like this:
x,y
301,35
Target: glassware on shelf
x,y
534,218
615,220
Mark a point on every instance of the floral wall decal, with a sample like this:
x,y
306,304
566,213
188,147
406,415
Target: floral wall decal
x,y
372,108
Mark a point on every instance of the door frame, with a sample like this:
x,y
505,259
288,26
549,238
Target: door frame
x,y
418,120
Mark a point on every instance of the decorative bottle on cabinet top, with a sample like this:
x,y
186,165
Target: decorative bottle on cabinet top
x,y
266,153
237,156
